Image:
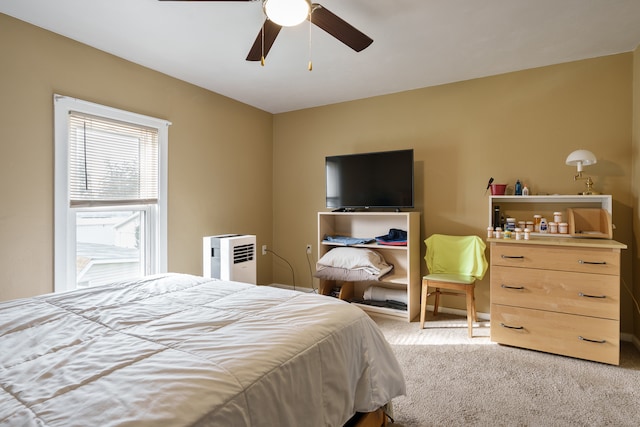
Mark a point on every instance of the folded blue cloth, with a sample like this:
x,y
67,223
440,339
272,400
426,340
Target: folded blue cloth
x,y
347,241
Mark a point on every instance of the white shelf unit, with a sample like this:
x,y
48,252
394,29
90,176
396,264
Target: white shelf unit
x,y
405,259
524,207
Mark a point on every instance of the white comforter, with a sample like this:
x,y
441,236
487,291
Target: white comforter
x,y
179,350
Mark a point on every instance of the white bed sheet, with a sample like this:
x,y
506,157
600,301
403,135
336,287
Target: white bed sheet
x,y
181,350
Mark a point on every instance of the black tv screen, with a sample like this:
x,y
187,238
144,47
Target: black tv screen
x,y
370,180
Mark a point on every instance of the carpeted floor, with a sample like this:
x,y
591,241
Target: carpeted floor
x,y
453,380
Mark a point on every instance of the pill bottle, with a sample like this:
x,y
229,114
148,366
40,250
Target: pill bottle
x,y
489,232
507,234
553,227
498,233
511,224
519,234
544,226
522,224
536,223
527,234
563,228
529,226
557,217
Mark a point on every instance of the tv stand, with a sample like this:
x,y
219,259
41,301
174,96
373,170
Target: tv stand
x,y
405,259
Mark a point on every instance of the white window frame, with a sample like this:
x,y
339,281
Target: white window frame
x,y
64,215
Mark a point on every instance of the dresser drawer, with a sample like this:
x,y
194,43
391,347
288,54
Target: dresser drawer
x,y
568,292
566,334
584,260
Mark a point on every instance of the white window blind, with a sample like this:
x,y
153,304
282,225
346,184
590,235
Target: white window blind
x,y
111,162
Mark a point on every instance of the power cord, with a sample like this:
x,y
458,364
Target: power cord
x,y
290,267
311,275
293,275
631,293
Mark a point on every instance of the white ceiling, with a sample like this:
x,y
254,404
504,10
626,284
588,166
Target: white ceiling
x,y
417,43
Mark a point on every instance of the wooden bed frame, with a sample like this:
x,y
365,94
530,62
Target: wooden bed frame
x,y
377,418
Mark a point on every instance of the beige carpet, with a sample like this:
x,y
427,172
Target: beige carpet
x,y
453,380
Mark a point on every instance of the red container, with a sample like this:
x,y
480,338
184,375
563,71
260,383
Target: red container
x,y
498,189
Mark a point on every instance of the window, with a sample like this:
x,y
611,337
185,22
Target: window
x,y
110,213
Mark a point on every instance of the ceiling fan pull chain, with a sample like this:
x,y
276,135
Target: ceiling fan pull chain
x,y
262,41
310,66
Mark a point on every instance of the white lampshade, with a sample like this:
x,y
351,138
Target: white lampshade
x,y
286,13
581,158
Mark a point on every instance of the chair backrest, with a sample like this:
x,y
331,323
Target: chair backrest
x,y
462,255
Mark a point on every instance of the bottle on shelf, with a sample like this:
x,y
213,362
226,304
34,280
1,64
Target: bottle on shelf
x,y
557,217
536,223
544,225
518,188
525,190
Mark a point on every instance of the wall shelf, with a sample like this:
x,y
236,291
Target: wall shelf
x,y
524,207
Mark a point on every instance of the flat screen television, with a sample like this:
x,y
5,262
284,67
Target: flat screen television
x,y
379,180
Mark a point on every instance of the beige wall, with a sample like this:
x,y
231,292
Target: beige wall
x,y
214,185
519,125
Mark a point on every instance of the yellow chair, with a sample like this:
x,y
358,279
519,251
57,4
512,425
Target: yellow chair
x,y
454,264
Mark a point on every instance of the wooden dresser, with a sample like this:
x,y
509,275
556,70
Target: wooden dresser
x,y
557,295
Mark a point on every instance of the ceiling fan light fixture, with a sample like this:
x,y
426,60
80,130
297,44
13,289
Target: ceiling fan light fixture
x,y
286,13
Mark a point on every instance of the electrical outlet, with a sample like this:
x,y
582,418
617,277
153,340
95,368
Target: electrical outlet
x,y
264,249
308,249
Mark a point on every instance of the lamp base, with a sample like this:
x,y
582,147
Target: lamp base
x,y
589,184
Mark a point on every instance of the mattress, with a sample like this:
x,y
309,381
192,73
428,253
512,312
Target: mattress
x,y
181,350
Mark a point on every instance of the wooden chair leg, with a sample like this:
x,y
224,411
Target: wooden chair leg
x,y
470,311
423,304
436,301
473,304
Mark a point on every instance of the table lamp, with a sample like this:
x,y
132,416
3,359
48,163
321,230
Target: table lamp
x,y
581,158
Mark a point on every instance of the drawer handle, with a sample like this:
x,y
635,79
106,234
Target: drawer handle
x,y
592,262
513,256
513,327
580,294
581,338
518,288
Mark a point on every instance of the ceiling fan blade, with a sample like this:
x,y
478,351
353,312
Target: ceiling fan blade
x,y
271,31
338,28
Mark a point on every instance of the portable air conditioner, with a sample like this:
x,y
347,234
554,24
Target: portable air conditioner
x,y
230,257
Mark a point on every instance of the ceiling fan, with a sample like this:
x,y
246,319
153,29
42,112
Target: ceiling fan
x,y
279,13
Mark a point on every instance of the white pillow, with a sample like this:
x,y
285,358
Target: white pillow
x,y
354,258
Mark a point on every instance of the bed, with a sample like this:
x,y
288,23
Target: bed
x,y
182,350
